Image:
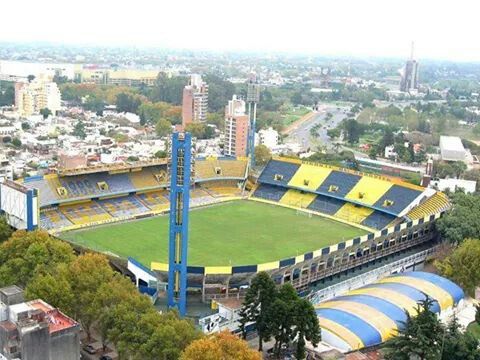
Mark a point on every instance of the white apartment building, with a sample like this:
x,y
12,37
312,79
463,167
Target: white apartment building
x,y
268,137
31,97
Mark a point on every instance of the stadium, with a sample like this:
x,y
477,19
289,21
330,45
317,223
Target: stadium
x,y
302,222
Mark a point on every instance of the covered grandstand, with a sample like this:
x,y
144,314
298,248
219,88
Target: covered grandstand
x,y
104,194
372,314
366,200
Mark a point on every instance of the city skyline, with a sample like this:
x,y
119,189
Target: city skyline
x,y
368,29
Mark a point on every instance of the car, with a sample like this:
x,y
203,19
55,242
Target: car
x,y
105,357
89,349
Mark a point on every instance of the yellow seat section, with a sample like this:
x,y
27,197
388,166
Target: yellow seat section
x,y
85,213
352,213
146,178
368,190
435,204
391,296
309,176
385,326
297,198
443,297
343,333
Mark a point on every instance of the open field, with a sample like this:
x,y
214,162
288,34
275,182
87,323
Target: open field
x,y
235,233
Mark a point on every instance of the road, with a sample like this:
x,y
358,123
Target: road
x,y
301,134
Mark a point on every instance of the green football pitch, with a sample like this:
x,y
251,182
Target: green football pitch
x,y
234,233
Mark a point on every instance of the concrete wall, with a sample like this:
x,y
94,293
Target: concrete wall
x,y
65,345
35,343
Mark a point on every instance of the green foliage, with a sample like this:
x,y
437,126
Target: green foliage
x,y
26,254
200,131
169,89
16,142
163,127
79,130
458,345
219,92
420,338
445,169
257,307
262,154
353,129
7,93
127,103
45,112
5,229
461,222
161,154
463,265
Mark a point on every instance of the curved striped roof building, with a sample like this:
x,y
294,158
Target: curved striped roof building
x,y
372,314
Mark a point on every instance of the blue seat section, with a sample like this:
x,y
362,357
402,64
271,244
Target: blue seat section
x,y
401,197
409,291
366,332
390,310
453,289
270,192
378,220
87,185
344,181
275,167
326,205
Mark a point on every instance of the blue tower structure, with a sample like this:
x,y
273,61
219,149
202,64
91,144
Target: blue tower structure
x,y
253,97
180,172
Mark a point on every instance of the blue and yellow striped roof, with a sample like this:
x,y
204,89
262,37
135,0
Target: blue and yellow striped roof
x,y
372,314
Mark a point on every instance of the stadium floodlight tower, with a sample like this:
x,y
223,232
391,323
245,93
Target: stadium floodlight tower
x,y
253,97
180,176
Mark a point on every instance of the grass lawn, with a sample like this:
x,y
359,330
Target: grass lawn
x,y
235,233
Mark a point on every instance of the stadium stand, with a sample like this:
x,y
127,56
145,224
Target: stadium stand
x,y
297,198
378,220
368,190
123,206
155,200
149,178
397,198
85,213
433,205
222,188
326,205
53,218
338,183
278,172
270,192
371,315
309,176
212,168
353,213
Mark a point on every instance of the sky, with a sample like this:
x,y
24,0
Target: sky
x,y
365,28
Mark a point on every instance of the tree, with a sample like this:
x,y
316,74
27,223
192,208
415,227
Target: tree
x,y
262,154
463,265
256,306
163,128
5,229
421,337
461,221
26,254
30,78
221,346
79,130
457,345
282,317
127,103
306,326
161,154
353,130
87,273
16,142
53,287
45,112
25,126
